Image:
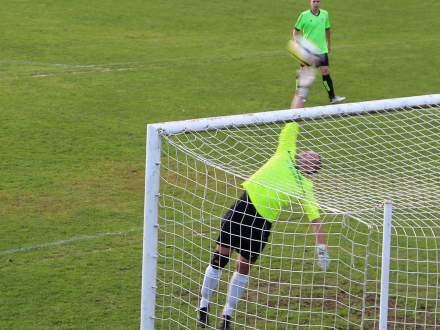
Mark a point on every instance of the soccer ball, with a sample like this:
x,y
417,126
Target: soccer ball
x,y
304,51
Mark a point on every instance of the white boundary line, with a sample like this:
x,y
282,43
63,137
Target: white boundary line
x,y
67,241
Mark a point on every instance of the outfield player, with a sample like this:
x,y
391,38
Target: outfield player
x,y
246,226
314,25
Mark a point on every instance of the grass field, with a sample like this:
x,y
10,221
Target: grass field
x,y
79,81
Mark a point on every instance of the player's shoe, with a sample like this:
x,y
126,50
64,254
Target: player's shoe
x,y
203,317
226,321
323,257
337,99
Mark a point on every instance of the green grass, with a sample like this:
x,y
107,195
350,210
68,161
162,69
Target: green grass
x,y
79,81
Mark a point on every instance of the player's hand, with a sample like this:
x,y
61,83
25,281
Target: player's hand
x,y
323,257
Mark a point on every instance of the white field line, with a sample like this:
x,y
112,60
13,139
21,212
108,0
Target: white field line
x,y
100,70
363,45
64,65
134,66
67,241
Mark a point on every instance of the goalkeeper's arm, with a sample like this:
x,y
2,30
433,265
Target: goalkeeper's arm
x,y
319,231
321,247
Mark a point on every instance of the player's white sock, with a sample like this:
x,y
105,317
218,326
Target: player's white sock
x,y
236,288
210,282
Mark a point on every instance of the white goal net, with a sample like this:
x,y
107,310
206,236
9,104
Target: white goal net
x,y
370,151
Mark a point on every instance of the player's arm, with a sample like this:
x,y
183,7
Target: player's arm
x,y
327,37
327,33
321,246
299,25
319,231
311,209
296,34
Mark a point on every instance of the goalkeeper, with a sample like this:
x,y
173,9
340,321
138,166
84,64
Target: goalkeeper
x,y
246,226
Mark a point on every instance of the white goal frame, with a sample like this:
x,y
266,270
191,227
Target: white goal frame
x,y
152,177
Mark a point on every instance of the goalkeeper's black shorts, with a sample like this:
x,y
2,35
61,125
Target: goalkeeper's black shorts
x,y
244,230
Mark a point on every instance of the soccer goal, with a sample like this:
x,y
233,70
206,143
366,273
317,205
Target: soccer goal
x,y
379,198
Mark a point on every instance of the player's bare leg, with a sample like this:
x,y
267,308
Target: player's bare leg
x,y
304,79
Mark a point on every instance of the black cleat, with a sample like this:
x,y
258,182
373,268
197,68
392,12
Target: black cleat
x,y
203,317
226,320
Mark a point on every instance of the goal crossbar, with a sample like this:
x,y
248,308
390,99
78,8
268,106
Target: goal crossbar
x,y
205,124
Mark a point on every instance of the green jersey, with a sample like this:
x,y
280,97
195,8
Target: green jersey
x,y
278,180
313,27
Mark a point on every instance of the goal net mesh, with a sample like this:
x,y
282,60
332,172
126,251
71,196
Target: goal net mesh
x,y
366,158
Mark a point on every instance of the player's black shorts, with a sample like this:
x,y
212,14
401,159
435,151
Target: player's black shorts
x,y
324,60
244,230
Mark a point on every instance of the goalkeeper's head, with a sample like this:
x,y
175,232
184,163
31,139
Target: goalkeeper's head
x,y
309,162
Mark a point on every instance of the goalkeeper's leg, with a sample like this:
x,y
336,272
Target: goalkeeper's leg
x,y
253,242
237,286
213,272
225,242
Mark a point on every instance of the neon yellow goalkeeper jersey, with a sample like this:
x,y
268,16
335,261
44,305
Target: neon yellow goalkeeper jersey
x,y
278,181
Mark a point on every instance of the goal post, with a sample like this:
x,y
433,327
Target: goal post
x,y
194,171
151,209
385,268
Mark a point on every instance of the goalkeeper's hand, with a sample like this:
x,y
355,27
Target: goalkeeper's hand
x,y
323,257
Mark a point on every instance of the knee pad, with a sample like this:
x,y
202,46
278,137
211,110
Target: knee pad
x,y
219,261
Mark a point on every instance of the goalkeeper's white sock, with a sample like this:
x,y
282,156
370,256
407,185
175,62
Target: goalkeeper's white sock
x,y
236,288
210,282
